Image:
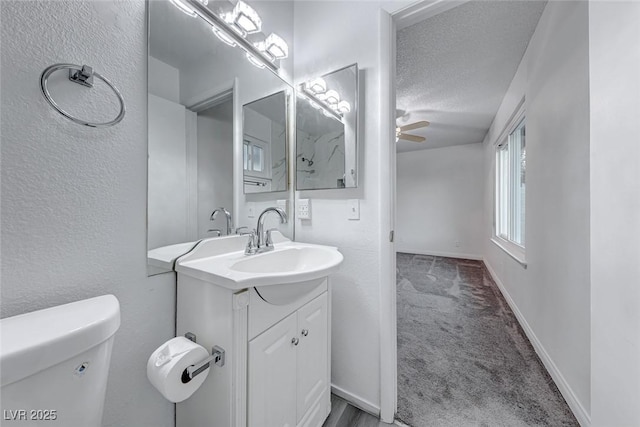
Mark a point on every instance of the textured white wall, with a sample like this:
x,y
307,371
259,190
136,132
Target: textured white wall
x,y
74,198
614,59
354,37
553,292
440,201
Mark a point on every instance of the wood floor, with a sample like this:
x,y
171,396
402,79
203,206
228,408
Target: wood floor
x,y
345,415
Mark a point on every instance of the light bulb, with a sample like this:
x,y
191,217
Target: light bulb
x,y
225,38
276,46
333,97
344,107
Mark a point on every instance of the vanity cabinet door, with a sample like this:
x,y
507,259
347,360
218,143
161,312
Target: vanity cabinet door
x,y
272,379
312,368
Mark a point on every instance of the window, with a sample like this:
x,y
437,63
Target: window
x,y
510,190
255,155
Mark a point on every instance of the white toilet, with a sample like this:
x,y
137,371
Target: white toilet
x,y
54,363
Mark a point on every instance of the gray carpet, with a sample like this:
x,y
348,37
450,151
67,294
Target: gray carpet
x,y
463,359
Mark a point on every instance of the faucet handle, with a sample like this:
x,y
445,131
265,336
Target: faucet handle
x,y
215,230
252,244
242,233
269,240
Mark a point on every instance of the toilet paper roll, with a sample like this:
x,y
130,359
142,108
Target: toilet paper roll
x,y
166,364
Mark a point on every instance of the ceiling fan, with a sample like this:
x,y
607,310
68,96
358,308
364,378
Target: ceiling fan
x,y
413,138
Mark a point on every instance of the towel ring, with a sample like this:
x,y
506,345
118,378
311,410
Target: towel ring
x,y
82,75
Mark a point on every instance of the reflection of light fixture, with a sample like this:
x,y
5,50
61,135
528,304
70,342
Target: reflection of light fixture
x,y
243,19
333,97
344,107
276,46
223,36
183,7
255,61
317,86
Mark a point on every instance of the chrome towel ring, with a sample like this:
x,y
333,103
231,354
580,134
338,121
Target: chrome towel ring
x,y
82,75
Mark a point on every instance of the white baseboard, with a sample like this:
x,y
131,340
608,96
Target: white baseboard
x,y
578,410
438,253
356,401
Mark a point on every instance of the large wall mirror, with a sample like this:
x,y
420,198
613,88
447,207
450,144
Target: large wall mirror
x,y
197,87
327,131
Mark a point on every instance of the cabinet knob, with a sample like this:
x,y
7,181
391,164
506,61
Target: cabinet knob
x,y
295,341
305,332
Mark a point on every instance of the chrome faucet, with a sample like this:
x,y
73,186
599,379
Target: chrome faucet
x,y
229,220
261,241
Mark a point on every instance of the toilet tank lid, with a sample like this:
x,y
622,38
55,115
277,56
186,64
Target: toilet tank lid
x,y
35,341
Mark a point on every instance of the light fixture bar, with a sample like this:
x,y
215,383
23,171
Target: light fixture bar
x,y
215,21
323,104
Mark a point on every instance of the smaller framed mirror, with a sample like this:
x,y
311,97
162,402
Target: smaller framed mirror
x,y
327,131
264,144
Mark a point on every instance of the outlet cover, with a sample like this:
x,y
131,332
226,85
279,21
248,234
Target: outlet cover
x,y
251,210
353,209
304,208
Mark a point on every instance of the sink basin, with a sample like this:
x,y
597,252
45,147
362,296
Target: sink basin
x,y
290,259
223,262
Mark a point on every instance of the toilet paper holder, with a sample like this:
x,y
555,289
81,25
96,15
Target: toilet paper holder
x,y
217,357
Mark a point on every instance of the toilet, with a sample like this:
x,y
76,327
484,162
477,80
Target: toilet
x,y
54,363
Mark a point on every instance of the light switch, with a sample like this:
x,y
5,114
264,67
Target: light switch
x,y
304,208
353,206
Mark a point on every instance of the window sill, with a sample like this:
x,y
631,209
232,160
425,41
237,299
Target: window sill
x,y
516,253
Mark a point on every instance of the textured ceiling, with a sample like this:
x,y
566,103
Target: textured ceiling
x,y
453,69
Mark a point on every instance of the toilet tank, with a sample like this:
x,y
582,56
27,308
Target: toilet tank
x,y
54,364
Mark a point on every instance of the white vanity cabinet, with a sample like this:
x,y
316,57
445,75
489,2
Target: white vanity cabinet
x,y
289,369
270,313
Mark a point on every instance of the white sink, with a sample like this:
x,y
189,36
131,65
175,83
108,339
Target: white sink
x,y
223,262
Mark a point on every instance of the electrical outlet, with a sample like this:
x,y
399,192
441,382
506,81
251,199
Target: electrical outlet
x,y
251,210
457,244
353,209
304,208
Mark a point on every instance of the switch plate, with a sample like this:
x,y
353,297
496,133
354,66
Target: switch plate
x,y
251,210
304,208
353,209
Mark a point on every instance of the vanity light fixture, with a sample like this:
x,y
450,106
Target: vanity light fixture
x,y
233,27
243,19
276,46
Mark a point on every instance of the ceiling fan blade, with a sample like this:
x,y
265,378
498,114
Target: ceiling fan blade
x,y
412,138
416,125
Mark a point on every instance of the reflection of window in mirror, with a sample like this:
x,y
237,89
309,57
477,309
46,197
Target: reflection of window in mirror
x,y
264,144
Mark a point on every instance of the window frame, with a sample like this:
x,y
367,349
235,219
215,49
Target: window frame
x,y
502,212
251,142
